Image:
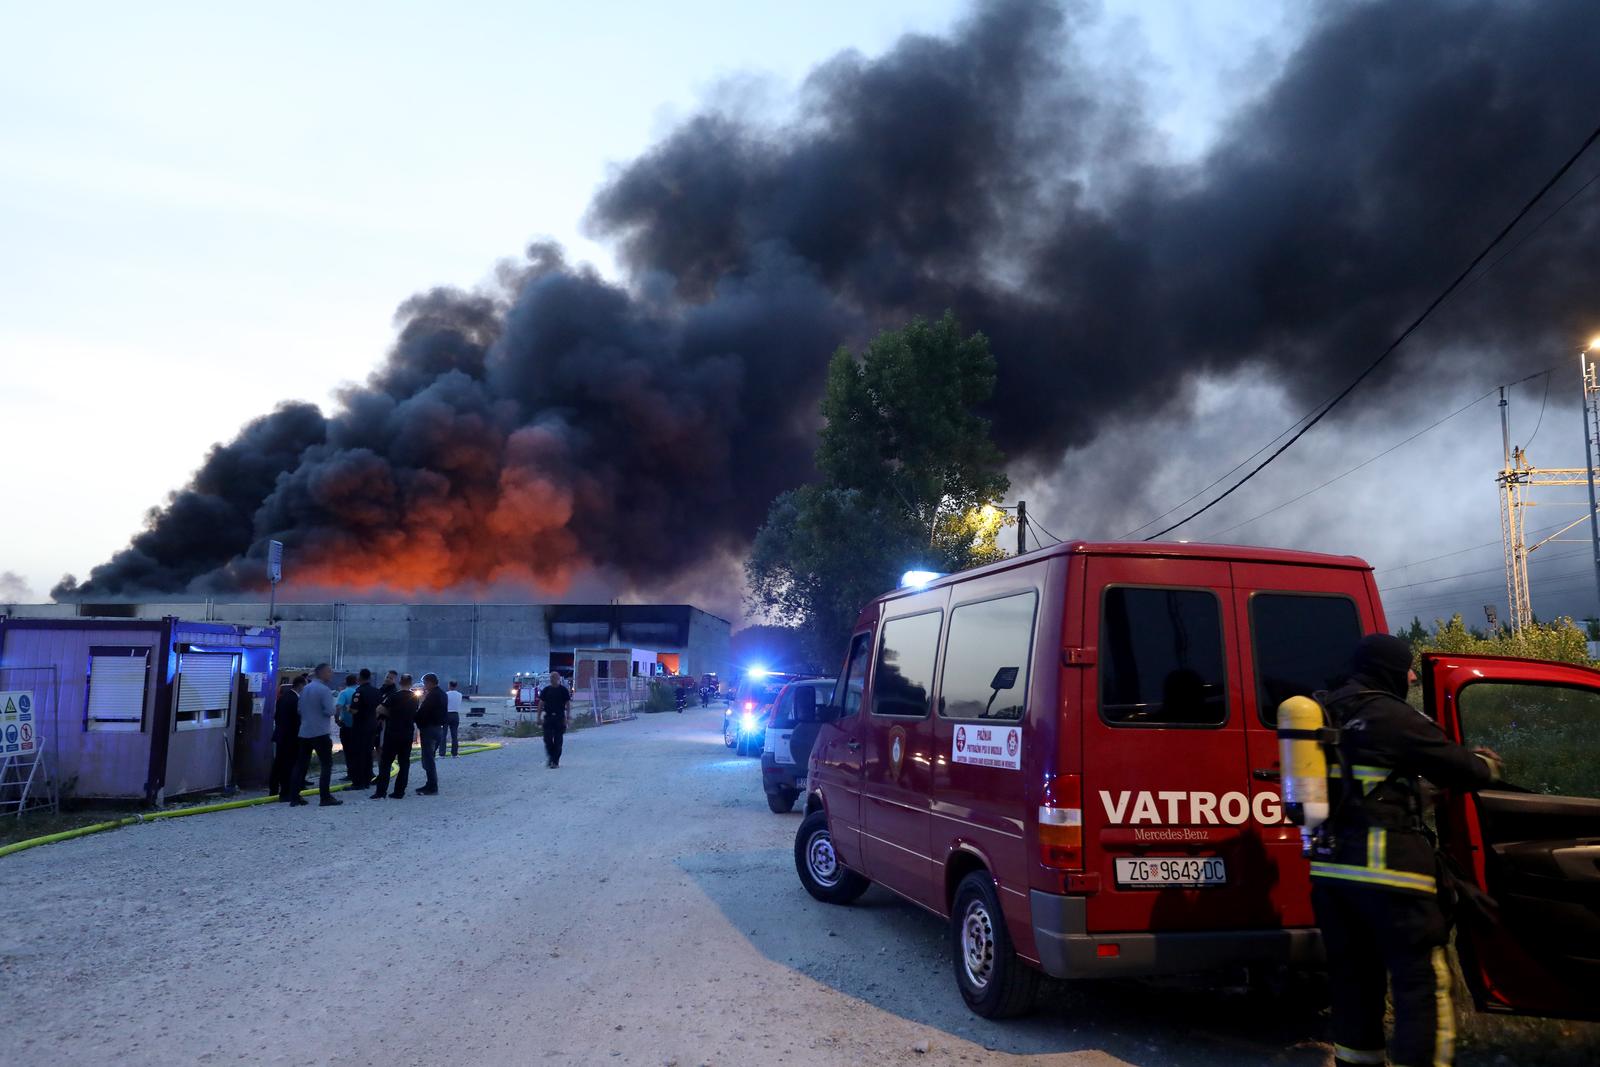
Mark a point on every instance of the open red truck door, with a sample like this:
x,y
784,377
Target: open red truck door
x,y
1533,843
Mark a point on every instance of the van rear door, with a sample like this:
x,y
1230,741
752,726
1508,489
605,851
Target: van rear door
x,y
1299,625
1532,843
1165,783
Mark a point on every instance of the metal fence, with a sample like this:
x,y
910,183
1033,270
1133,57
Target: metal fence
x,y
29,721
615,699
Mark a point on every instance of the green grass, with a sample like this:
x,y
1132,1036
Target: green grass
x,y
1549,736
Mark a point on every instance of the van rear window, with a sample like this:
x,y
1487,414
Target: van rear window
x,y
1302,644
1161,658
904,675
986,659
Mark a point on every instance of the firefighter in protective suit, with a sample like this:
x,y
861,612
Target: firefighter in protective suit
x,y
1373,866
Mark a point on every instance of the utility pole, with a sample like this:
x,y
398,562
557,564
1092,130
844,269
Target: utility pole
x,y
1519,477
1022,528
1591,434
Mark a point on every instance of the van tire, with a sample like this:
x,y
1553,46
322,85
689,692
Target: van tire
x,y
993,980
782,801
824,877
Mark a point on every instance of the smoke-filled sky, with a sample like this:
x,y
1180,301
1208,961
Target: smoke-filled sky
x,y
1179,233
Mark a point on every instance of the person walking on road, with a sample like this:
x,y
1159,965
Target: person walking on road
x,y
347,722
316,735
452,720
399,723
364,718
554,699
286,741
1373,869
430,725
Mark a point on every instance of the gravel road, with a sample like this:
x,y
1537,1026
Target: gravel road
x,y
637,906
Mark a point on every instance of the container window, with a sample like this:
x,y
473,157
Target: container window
x,y
903,679
205,689
1549,735
117,680
854,682
986,659
1302,644
1161,658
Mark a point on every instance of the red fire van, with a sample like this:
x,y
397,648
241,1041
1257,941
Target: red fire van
x,y
1071,757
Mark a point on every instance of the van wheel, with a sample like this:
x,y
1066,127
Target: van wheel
x,y
824,877
994,982
782,802
727,738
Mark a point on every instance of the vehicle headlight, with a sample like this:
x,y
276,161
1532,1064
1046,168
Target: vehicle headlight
x,y
748,723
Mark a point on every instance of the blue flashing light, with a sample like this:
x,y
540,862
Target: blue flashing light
x,y
757,672
748,723
918,579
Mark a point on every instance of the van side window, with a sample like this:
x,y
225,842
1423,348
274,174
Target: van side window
x,y
854,681
1302,643
904,678
1161,658
986,659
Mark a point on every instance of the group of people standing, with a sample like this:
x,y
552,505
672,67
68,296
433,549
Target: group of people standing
x,y
373,720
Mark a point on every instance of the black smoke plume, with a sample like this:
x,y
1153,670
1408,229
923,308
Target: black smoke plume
x,y
560,421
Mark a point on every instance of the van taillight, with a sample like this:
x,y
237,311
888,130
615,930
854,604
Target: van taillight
x,y
1061,823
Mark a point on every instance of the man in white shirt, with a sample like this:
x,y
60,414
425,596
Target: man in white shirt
x,y
452,720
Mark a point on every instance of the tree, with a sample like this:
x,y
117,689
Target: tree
x,y
1416,633
909,480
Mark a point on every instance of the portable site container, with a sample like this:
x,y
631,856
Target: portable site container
x,y
135,709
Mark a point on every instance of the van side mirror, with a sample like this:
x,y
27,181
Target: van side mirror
x,y
1004,678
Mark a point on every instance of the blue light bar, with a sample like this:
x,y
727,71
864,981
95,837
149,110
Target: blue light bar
x,y
918,579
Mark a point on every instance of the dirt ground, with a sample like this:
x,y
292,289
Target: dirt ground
x,y
637,906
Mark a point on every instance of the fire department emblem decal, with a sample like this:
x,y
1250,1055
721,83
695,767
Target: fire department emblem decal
x,y
897,751
961,739
1012,744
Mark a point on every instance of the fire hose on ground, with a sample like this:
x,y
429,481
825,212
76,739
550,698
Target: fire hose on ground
x,y
467,749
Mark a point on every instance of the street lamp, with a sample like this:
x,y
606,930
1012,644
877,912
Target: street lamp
x,y
1591,433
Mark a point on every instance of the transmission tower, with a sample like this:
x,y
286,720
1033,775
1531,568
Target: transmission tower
x,y
1517,479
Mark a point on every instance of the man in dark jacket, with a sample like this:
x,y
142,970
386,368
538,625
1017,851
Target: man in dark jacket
x,y
364,728
1373,867
553,700
430,725
286,741
399,723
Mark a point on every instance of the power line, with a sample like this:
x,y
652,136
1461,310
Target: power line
x,y
1219,479
1458,552
1358,466
1432,426
1468,574
1548,378
1405,333
1039,525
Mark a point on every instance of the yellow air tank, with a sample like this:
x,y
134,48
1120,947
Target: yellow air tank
x,y
1304,765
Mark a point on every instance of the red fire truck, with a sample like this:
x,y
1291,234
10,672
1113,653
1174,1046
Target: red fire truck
x,y
1071,758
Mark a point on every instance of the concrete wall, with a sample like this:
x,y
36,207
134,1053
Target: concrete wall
x,y
476,644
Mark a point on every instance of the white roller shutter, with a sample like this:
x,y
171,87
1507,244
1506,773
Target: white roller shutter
x,y
204,686
117,687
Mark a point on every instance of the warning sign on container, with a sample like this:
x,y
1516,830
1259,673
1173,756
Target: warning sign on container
x,y
18,731
987,746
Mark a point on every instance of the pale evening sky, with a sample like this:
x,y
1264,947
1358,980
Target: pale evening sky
x,y
207,209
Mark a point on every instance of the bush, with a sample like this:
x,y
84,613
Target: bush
x,y
528,727
659,697
1562,641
